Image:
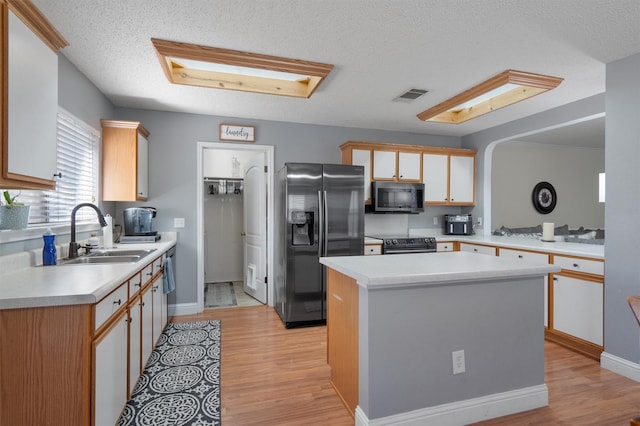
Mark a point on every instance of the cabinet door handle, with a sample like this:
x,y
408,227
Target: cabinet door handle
x,y
575,265
149,273
117,302
137,284
555,278
58,175
519,256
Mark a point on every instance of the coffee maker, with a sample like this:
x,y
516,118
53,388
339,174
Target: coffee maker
x,y
138,224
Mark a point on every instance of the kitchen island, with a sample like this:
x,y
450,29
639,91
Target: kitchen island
x,y
395,322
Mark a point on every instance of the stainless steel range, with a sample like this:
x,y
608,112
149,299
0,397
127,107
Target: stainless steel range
x,y
403,244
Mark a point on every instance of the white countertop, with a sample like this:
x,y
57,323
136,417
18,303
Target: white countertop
x,y
558,247
39,286
430,268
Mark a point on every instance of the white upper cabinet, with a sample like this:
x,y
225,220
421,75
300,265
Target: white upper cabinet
x,y
396,166
435,173
461,179
409,166
384,165
448,174
449,179
30,73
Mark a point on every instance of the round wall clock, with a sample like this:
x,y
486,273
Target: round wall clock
x,y
544,197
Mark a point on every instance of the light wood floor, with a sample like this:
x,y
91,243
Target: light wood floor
x,y
274,376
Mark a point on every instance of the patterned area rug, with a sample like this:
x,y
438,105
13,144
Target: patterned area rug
x,y
217,295
181,383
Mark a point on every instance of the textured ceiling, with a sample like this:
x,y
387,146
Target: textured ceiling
x,y
379,49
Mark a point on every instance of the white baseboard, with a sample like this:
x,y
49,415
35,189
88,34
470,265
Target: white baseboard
x,y
183,309
465,412
620,366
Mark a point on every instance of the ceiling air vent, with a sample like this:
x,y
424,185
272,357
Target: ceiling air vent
x,y
410,95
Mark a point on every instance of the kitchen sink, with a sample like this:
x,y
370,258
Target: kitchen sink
x,y
109,256
116,253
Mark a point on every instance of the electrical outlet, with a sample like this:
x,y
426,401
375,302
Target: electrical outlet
x,y
479,221
435,220
178,222
458,362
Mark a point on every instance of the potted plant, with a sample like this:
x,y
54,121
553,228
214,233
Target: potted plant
x,y
13,215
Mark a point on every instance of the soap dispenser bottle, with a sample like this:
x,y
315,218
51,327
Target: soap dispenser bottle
x,y
49,255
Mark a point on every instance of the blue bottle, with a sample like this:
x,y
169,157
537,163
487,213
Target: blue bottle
x,y
49,255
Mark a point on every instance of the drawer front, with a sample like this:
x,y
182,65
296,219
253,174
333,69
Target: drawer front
x,y
110,304
157,265
580,265
444,246
135,284
524,256
372,249
147,273
473,248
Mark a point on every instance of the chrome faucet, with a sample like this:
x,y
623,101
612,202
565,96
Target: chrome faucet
x,y
73,246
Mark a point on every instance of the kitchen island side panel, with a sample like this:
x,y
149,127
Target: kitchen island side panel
x,y
342,336
407,336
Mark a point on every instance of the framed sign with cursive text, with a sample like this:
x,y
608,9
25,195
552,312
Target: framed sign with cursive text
x,y
232,132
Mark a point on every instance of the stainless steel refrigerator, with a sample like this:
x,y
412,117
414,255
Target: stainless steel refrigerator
x,y
319,213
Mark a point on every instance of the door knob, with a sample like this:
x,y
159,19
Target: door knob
x,y
243,234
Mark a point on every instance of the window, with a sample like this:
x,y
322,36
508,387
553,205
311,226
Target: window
x,y
78,162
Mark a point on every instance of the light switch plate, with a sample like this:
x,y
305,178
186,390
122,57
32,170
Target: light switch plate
x,y
178,222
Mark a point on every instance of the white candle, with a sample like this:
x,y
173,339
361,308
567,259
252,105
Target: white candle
x,y
547,231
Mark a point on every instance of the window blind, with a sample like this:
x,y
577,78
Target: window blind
x,y
77,158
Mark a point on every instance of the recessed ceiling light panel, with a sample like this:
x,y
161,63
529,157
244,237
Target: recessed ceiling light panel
x,y
217,68
498,92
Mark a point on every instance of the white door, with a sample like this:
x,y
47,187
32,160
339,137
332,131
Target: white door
x,y
255,228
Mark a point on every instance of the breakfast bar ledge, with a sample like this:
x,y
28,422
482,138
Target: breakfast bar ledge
x,y
395,324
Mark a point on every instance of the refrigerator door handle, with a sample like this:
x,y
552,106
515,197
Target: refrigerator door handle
x,y
320,225
325,220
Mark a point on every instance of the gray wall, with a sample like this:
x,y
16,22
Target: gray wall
x,y
518,166
622,250
622,152
173,174
483,142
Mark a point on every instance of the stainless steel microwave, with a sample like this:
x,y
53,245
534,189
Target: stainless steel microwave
x,y
396,197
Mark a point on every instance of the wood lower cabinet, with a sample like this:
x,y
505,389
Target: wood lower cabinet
x,y
444,246
135,347
45,366
77,364
577,300
372,249
342,336
110,371
147,323
577,308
